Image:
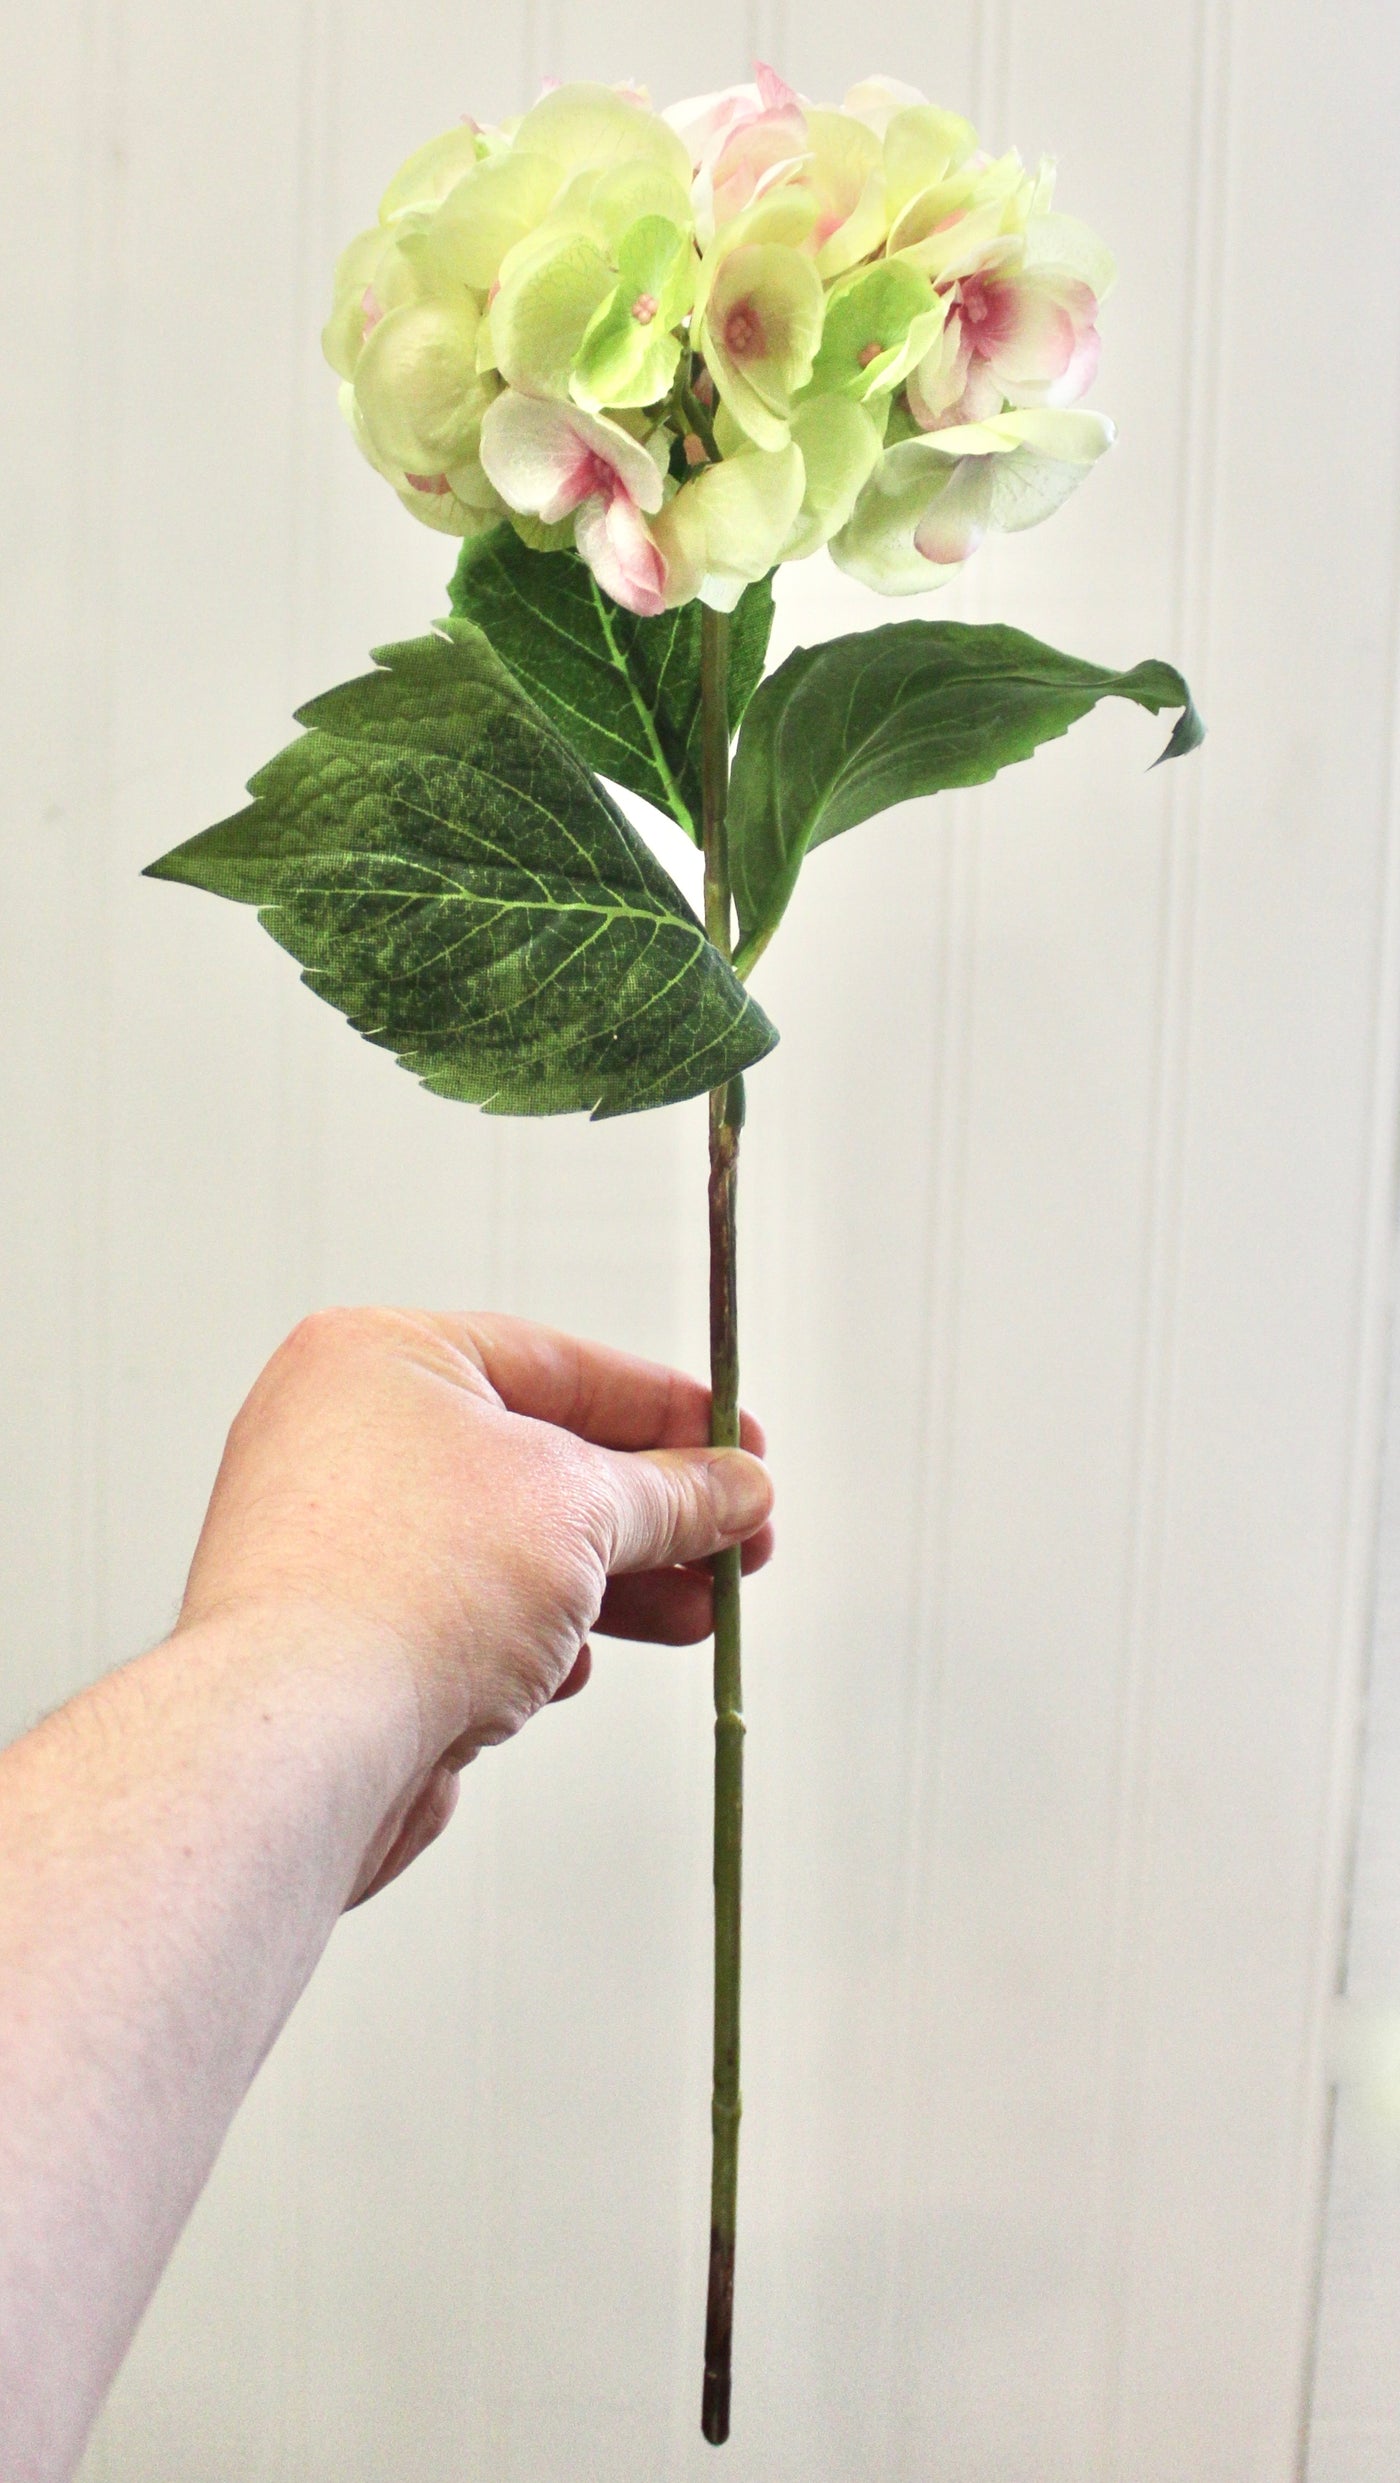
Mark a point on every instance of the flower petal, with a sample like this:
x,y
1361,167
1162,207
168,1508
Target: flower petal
x,y
550,288
431,171
760,333
923,146
931,500
343,335
726,527
542,456
494,208
615,540
841,446
586,125
630,350
417,386
879,324
1063,243
876,101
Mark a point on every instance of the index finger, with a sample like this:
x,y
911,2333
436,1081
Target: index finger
x,y
616,1400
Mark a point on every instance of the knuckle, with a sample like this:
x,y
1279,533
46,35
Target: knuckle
x,y
328,1331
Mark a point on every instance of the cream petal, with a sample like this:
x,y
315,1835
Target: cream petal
x,y
931,499
726,527
1067,246
343,335
430,172
493,209
760,333
876,101
923,145
417,387
582,125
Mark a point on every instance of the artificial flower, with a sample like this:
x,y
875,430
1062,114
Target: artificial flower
x,y
726,529
931,500
555,461
698,343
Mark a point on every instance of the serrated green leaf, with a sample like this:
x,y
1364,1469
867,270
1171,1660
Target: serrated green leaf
x,y
843,730
624,692
450,877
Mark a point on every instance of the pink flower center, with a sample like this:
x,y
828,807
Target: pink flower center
x,y
869,353
743,332
373,311
644,309
592,478
988,312
437,484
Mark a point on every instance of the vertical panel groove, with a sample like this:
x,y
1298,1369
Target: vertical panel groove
x,y
1135,1806
1357,1516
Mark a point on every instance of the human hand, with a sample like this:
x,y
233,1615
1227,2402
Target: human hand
x,y
463,1499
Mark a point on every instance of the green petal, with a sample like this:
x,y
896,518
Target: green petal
x,y
448,513
1063,242
498,204
541,315
840,444
877,543
342,337
627,359
609,202
846,178
879,324
723,530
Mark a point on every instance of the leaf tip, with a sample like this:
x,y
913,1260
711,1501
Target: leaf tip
x,y
1188,733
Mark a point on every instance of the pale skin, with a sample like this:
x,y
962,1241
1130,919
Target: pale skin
x,y
418,1522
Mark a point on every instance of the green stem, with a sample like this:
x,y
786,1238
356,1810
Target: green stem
x,y
700,423
726,1120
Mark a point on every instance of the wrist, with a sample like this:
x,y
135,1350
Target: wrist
x,y
334,1692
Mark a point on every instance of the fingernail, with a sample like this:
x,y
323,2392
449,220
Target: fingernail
x,y
739,1492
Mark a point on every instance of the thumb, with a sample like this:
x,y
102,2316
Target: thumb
x,y
681,1504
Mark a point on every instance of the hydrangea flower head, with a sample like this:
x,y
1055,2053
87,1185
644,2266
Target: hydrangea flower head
x,y
697,343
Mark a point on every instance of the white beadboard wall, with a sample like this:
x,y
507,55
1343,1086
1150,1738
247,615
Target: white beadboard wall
x,y
1066,1214
1355,2425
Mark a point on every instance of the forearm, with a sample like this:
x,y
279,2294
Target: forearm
x,y
175,1847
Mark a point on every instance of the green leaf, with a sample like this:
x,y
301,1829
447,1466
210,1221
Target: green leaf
x,y
624,693
843,730
450,877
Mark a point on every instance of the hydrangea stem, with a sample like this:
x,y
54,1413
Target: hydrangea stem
x,y
726,1120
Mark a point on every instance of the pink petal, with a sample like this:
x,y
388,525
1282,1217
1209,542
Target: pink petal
x,y
1079,373
753,156
615,540
1032,328
547,459
532,453
774,93
947,540
954,524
